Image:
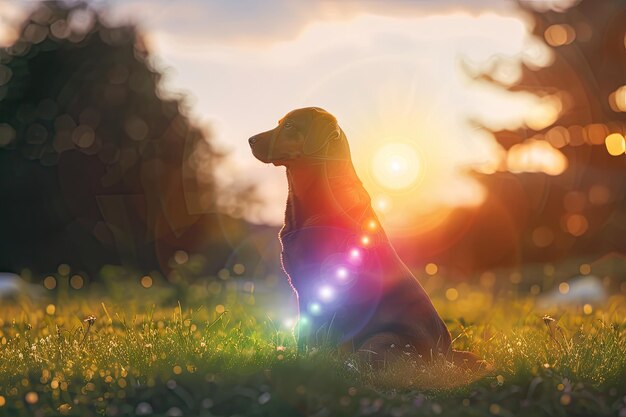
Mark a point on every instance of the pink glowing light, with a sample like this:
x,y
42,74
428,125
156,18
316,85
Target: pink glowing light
x,y
342,273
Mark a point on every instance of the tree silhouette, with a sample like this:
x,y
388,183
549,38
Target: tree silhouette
x,y
580,212
96,164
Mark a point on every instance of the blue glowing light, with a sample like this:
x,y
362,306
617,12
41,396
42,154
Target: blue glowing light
x,y
315,308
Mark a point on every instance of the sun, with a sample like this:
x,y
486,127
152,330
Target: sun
x,y
397,165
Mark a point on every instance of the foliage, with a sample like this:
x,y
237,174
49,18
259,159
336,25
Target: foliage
x,y
100,164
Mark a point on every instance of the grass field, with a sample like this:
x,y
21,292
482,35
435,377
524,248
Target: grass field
x,y
183,352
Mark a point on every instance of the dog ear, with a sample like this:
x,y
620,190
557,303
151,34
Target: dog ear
x,y
323,129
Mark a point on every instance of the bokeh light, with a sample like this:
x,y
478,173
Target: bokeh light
x,y
560,34
615,144
452,294
617,99
50,282
585,269
576,224
146,281
76,282
431,268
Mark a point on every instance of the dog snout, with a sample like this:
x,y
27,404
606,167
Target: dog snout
x,y
253,140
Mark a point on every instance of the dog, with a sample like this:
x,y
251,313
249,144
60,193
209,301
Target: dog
x,y
353,290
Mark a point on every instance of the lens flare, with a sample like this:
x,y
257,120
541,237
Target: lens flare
x,y
396,166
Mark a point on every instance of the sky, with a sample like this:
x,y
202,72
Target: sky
x,y
394,73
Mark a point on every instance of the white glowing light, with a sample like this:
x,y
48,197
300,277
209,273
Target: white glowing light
x,y
315,308
342,273
326,293
304,320
396,166
288,322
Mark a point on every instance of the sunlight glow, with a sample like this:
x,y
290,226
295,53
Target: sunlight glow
x,y
396,166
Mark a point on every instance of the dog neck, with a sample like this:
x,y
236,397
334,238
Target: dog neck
x,y
325,193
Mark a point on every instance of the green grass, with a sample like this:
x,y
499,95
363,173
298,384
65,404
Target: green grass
x,y
187,359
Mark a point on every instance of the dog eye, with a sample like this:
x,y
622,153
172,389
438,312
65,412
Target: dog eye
x,y
288,124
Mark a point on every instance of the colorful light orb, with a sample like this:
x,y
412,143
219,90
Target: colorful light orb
x,y
288,322
327,293
372,224
315,308
304,320
342,273
365,240
355,254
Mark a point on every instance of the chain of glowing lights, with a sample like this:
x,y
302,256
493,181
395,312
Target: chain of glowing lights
x,y
354,256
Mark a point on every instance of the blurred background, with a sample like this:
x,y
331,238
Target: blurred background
x,y
489,134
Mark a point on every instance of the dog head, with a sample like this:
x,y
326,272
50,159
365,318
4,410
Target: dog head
x,y
310,133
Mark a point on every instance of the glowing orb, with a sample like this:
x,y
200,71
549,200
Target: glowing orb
x,y
381,203
315,308
342,273
396,166
288,322
326,293
365,240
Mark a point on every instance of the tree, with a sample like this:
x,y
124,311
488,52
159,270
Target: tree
x,y
96,165
579,212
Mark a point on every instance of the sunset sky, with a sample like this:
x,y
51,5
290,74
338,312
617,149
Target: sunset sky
x,y
391,72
